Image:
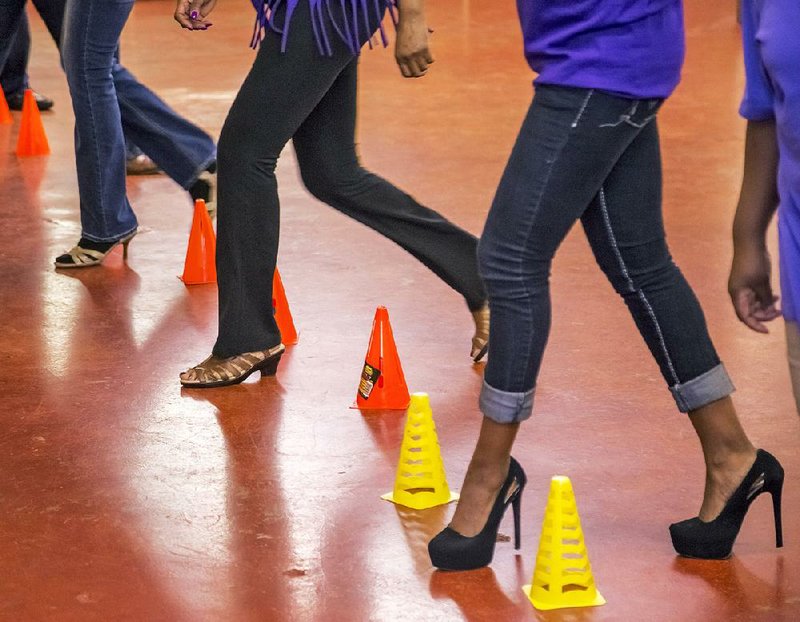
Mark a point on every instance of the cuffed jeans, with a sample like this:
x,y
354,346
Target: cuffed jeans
x,y
311,99
588,155
106,97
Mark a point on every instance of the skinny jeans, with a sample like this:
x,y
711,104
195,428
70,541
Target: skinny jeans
x,y
589,156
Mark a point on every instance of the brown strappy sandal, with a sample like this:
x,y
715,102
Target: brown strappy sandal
x,y
480,341
217,372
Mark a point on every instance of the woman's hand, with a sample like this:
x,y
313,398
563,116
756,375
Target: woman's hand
x,y
750,289
191,14
411,48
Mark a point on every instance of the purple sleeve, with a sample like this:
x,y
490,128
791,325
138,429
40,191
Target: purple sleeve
x,y
757,103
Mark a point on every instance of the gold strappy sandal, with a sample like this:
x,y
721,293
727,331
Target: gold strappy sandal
x,y
480,341
79,257
217,372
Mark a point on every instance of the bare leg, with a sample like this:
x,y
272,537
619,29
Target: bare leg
x,y
727,451
485,476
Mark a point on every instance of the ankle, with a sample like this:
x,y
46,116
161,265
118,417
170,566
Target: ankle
x,y
723,457
487,472
95,246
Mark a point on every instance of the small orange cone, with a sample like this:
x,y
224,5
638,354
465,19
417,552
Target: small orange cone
x,y
200,267
280,307
382,385
32,140
5,113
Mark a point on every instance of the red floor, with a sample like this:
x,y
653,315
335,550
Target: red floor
x,y
124,498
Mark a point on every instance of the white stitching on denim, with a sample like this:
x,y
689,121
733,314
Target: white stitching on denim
x,y
626,118
631,287
583,107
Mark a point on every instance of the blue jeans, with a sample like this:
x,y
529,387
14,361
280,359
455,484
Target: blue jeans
x,y
106,97
13,76
588,155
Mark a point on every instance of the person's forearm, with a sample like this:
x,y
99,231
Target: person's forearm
x,y
758,198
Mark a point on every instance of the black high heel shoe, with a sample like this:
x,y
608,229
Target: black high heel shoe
x,y
714,539
449,550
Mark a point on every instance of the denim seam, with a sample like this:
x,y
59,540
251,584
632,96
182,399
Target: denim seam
x,y
113,239
583,108
178,147
98,169
626,118
537,205
631,287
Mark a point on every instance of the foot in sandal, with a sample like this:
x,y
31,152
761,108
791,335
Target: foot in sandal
x,y
222,372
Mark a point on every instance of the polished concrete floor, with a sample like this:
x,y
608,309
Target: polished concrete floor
x,y
123,497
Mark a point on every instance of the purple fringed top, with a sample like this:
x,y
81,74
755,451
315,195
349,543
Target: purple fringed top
x,y
352,31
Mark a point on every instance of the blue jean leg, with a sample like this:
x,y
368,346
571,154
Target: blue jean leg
x,y
570,142
11,15
13,75
108,100
181,149
90,39
625,228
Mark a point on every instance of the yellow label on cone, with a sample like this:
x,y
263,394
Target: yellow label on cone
x,y
563,576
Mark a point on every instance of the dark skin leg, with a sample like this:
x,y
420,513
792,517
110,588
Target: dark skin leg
x,y
727,451
486,473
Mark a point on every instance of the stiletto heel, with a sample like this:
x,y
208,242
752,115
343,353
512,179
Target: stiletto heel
x,y
449,550
516,505
776,512
80,257
714,539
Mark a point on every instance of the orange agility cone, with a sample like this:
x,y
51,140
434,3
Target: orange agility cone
x,y
199,267
32,140
5,113
382,385
280,307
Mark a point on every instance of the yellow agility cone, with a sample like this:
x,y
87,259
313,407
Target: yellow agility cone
x,y
563,576
420,481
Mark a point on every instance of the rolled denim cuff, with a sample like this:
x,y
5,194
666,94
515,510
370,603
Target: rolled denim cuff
x,y
701,391
505,407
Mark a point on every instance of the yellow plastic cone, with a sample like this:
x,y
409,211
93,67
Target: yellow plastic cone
x,y
563,576
420,481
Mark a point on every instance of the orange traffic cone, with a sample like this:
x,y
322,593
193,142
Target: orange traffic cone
x,y
32,140
199,267
280,307
5,113
382,385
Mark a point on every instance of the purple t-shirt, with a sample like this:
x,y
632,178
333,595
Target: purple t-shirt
x,y
633,48
771,34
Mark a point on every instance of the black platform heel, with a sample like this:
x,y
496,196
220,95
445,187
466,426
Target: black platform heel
x,y
714,539
449,550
